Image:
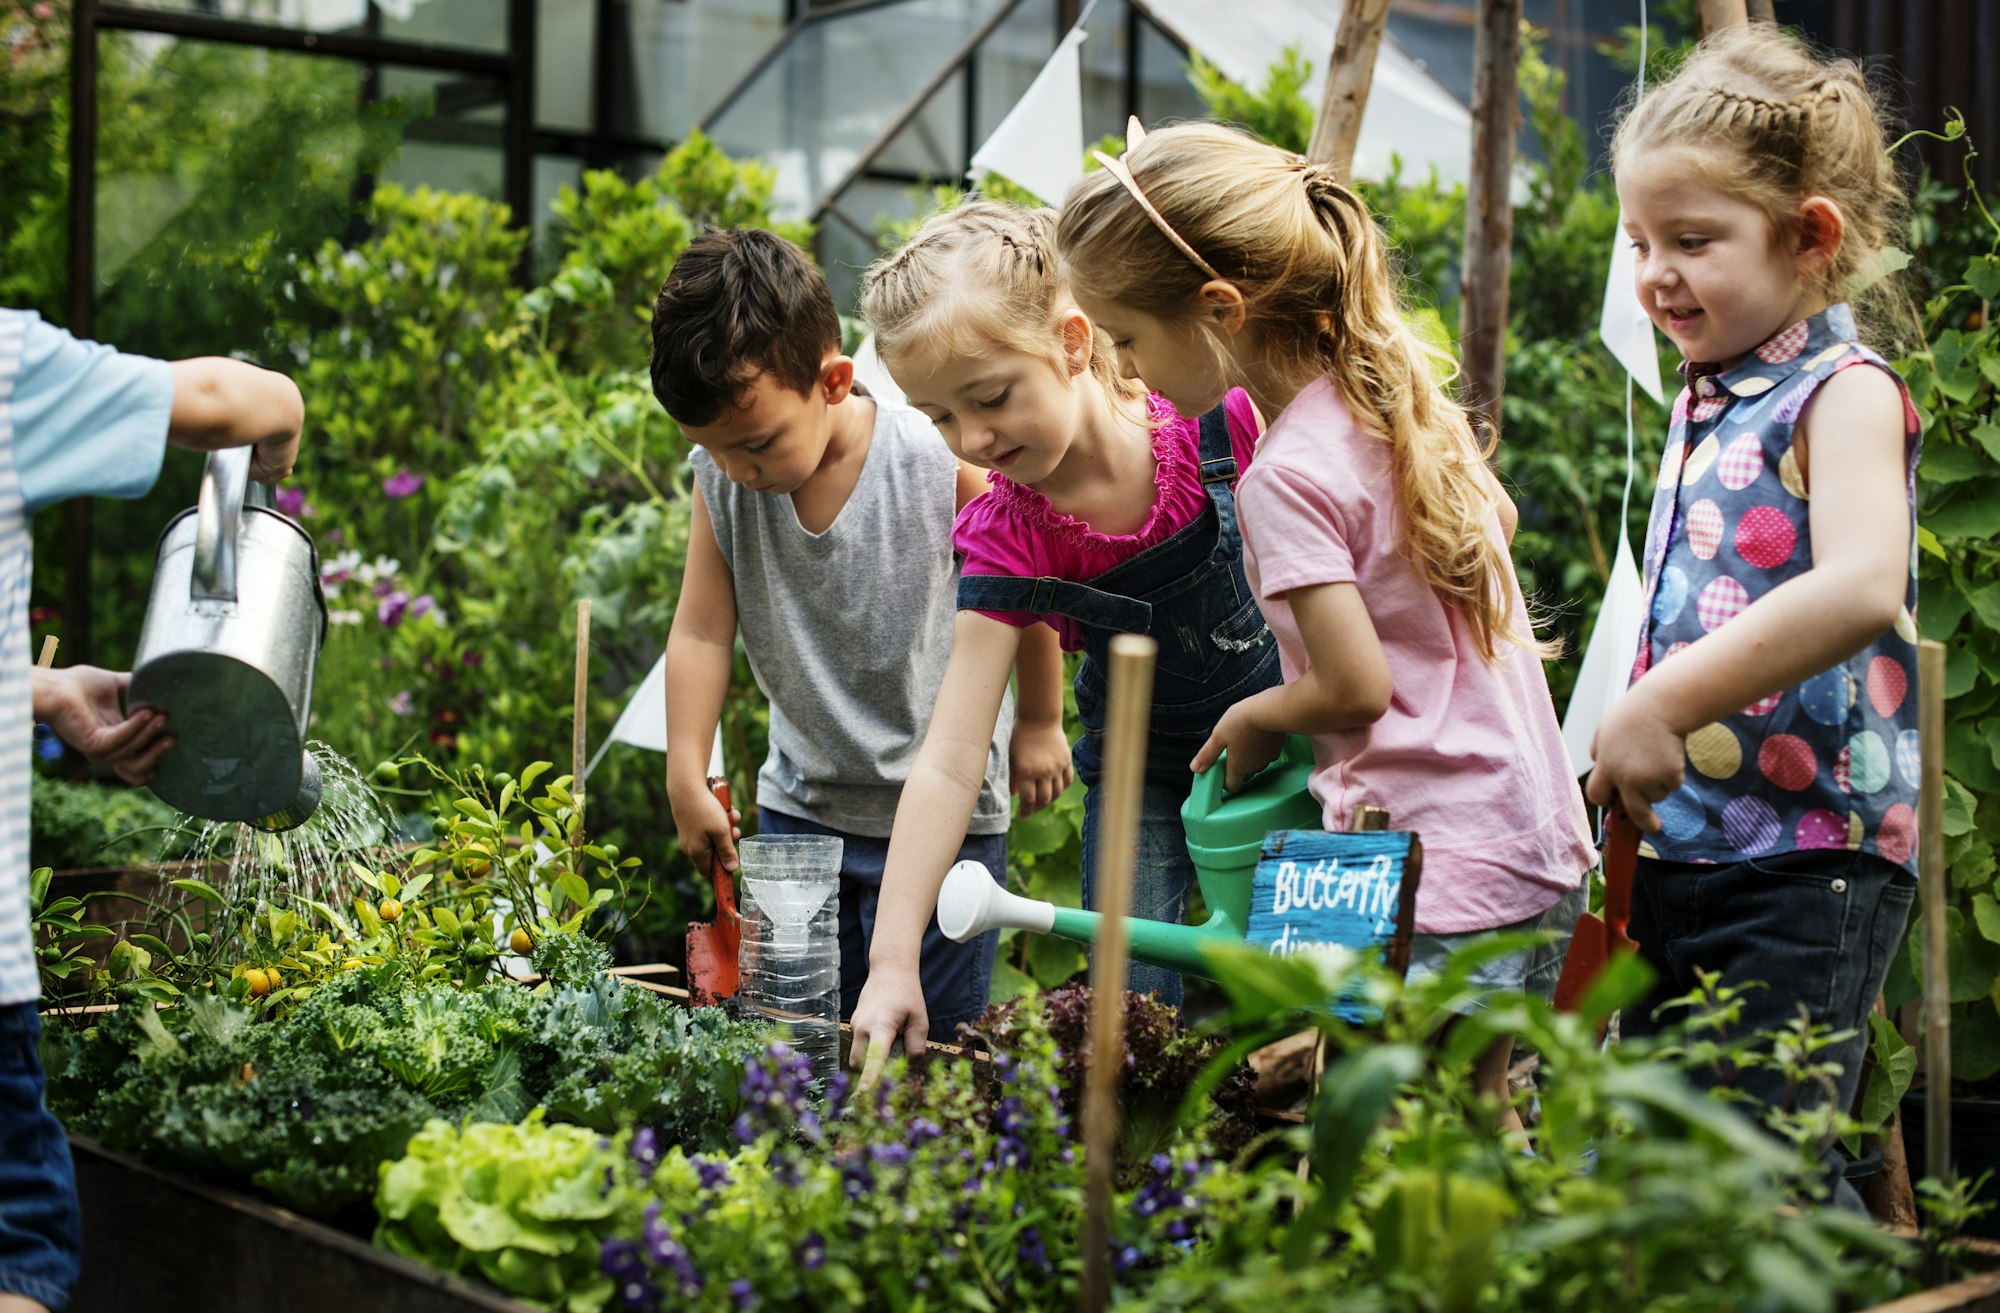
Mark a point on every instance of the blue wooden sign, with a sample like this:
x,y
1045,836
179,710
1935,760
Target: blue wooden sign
x,y
1353,889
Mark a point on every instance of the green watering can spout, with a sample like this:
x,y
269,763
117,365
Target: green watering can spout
x,y
1225,836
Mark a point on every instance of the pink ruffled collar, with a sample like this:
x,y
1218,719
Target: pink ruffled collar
x,y
1035,510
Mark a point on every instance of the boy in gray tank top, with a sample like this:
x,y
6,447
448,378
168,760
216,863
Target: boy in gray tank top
x,y
821,529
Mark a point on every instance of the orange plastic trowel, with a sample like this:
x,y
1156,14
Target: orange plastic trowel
x,y
711,946
1598,937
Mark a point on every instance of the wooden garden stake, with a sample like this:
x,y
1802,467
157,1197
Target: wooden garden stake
x,y
1931,890
1131,697
1350,71
577,730
48,656
1717,14
1489,208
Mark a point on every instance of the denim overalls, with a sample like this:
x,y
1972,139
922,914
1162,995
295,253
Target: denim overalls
x,y
1188,592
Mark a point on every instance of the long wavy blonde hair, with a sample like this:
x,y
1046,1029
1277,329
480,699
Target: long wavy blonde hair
x,y
981,275
1766,118
1321,300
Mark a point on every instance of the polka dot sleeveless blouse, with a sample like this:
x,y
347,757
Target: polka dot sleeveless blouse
x,y
1832,762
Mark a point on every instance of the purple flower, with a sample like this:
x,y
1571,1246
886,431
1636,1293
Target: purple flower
x,y
1126,1259
713,1173
401,703
401,484
923,1130
1033,1251
890,1155
391,608
422,606
292,502
812,1251
47,746
742,1294
645,1151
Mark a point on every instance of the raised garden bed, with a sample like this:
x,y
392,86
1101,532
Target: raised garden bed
x,y
158,1241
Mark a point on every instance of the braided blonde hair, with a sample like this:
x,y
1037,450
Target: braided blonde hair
x,y
1770,120
1315,278
978,276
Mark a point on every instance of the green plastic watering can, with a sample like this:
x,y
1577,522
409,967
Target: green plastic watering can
x,y
1225,837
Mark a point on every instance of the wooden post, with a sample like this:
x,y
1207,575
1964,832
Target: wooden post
x,y
1931,891
1350,71
48,656
1762,11
1715,15
1489,209
1130,700
577,726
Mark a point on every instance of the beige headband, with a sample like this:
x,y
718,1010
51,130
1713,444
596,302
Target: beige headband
x,y
1134,134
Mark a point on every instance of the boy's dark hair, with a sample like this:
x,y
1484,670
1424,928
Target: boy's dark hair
x,y
739,302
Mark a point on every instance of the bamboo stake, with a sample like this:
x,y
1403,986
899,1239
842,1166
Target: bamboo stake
x,y
1489,209
1931,890
577,730
1717,14
1130,701
48,656
1350,71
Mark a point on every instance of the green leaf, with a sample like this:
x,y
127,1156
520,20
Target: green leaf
x,y
1986,914
156,944
529,775
1987,434
572,884
199,888
1053,960
1943,463
1983,277
1973,513
1949,350
447,920
1007,983
1941,608
1959,807
1961,672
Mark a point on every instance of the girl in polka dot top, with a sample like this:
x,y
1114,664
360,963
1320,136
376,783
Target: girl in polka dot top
x,y
1768,745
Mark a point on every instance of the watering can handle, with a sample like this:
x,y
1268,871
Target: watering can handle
x,y
218,518
1207,792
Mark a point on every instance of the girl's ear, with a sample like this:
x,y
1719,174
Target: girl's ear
x,y
1821,229
1079,337
836,379
1222,303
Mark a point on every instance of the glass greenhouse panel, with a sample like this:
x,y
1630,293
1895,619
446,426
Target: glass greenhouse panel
x,y
306,15
834,86
684,56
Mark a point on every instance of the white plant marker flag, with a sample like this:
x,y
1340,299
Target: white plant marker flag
x,y
643,722
1614,640
1040,142
869,372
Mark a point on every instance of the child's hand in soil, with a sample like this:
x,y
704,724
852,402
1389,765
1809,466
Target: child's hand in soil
x,y
1038,764
891,1006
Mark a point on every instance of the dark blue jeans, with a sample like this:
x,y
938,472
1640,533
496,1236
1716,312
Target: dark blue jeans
x,y
956,976
41,1227
1817,930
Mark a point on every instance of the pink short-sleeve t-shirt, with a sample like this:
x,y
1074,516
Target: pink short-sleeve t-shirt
x,y
1469,754
1010,529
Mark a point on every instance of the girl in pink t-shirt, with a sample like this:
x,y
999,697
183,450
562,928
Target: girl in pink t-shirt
x,y
1107,511
1375,535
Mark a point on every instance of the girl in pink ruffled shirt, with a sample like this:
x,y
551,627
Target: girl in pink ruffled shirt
x,y
1108,511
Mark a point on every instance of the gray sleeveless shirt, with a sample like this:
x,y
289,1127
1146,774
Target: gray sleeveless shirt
x,y
849,631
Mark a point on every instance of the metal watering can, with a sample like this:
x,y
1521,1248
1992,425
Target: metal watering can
x,y
1225,836
233,630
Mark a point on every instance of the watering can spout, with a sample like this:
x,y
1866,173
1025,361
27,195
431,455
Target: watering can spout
x,y
971,902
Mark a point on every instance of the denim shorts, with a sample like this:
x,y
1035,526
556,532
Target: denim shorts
x,y
956,977
1532,970
1814,930
41,1226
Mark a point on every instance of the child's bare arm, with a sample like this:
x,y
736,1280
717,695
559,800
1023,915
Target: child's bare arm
x,y
701,652
1860,530
1345,684
931,817
1038,759
221,403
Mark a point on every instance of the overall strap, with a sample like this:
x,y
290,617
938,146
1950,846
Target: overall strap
x,y
1218,457
1080,602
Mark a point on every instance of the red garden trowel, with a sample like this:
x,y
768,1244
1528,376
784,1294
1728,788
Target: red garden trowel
x,y
711,947
1597,937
